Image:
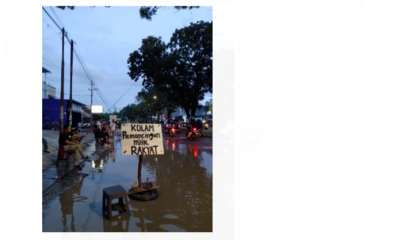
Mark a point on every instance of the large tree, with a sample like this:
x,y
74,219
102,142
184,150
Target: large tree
x,y
183,67
159,100
128,111
192,47
136,111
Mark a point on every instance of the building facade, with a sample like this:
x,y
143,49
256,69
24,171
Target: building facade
x,y
51,113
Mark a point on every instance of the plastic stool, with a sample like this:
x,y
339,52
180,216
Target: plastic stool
x,y
62,160
111,193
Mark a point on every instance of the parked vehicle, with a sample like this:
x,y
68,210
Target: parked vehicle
x,y
168,125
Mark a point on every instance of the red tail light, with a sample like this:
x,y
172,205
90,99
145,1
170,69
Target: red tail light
x,y
194,152
194,129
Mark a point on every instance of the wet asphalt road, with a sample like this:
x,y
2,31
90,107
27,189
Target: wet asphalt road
x,y
184,204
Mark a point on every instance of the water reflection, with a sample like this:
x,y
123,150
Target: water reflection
x,y
185,192
184,203
101,158
120,225
67,199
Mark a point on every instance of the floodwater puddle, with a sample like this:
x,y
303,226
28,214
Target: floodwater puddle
x,y
184,202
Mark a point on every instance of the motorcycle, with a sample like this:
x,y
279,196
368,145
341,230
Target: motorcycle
x,y
195,133
171,132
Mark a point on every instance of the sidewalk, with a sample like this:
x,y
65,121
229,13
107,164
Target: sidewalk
x,y
50,173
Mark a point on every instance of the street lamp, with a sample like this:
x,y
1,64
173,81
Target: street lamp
x,y
155,97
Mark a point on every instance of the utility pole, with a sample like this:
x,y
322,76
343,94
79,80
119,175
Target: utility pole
x,y
62,86
91,103
70,90
45,86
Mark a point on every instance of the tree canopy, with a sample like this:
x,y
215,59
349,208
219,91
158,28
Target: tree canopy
x,y
148,12
182,68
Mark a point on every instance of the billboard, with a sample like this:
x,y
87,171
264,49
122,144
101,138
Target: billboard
x,y
97,109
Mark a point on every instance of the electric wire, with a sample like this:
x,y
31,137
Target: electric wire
x,y
120,97
77,53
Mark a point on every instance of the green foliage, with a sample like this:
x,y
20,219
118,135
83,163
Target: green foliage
x,y
158,100
181,69
136,111
64,7
148,12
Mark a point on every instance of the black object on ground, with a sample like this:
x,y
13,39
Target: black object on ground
x,y
115,192
146,195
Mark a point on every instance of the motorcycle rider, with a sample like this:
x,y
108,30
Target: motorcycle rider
x,y
199,124
192,125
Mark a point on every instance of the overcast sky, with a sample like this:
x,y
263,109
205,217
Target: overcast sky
x,y
104,39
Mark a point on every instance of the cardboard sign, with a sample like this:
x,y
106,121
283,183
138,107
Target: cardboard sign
x,y
113,117
141,139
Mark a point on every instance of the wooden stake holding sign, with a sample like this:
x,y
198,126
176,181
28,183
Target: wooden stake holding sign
x,y
141,139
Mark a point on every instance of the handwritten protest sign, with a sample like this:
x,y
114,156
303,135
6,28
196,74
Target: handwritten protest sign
x,y
141,139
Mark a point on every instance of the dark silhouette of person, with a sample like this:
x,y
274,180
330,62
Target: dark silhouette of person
x,y
67,200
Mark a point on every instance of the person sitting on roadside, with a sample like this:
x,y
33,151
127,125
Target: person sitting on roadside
x,y
70,145
105,140
76,136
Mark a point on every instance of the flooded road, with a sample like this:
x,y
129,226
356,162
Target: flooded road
x,y
184,202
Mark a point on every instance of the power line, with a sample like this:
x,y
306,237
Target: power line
x,y
78,57
120,97
76,70
77,53
52,19
48,25
55,14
